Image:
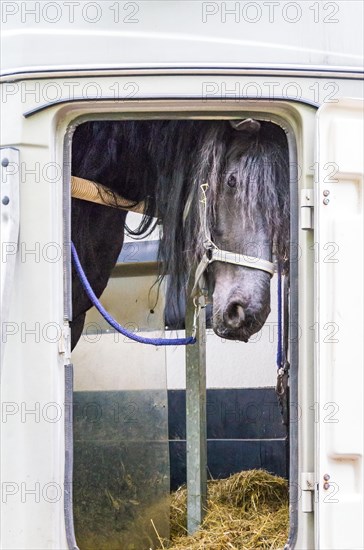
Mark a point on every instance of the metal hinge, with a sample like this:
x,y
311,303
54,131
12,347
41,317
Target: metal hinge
x,y
307,204
308,488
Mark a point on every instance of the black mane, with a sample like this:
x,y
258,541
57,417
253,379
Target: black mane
x,y
165,162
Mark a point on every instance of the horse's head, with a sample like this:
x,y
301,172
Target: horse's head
x,y
240,171
250,213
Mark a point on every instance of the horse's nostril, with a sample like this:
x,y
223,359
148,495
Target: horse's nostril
x,y
234,315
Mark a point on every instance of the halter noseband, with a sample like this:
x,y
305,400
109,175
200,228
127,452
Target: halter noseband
x,y
215,254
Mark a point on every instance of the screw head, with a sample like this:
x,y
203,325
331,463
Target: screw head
x,y
326,193
326,201
5,200
4,162
326,477
326,486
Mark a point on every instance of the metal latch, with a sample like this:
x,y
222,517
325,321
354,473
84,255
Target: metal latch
x,y
308,488
64,343
307,203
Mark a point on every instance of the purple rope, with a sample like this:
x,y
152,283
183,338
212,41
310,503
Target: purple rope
x,y
279,345
90,293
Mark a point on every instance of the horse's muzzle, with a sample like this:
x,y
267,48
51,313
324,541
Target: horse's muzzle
x,y
239,322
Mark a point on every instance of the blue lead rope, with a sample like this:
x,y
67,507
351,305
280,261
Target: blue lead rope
x,y
92,296
279,344
163,341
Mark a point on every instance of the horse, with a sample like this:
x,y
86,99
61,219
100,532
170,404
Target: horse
x,y
242,167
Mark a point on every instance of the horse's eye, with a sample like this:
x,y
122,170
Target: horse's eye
x,y
231,180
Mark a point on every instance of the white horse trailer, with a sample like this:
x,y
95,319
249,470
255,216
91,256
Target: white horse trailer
x,y
298,64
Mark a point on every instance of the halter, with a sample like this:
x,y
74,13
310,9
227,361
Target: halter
x,y
215,254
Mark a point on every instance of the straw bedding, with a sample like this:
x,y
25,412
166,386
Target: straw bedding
x,y
248,510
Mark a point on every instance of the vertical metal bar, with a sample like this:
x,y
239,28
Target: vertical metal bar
x,y
196,443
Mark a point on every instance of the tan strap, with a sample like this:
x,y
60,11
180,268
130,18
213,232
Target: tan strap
x,y
87,190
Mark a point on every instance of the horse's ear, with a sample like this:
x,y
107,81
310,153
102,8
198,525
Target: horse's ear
x,y
248,125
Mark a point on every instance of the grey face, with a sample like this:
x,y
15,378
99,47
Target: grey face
x,y
241,296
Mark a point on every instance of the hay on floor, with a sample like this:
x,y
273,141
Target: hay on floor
x,y
248,510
